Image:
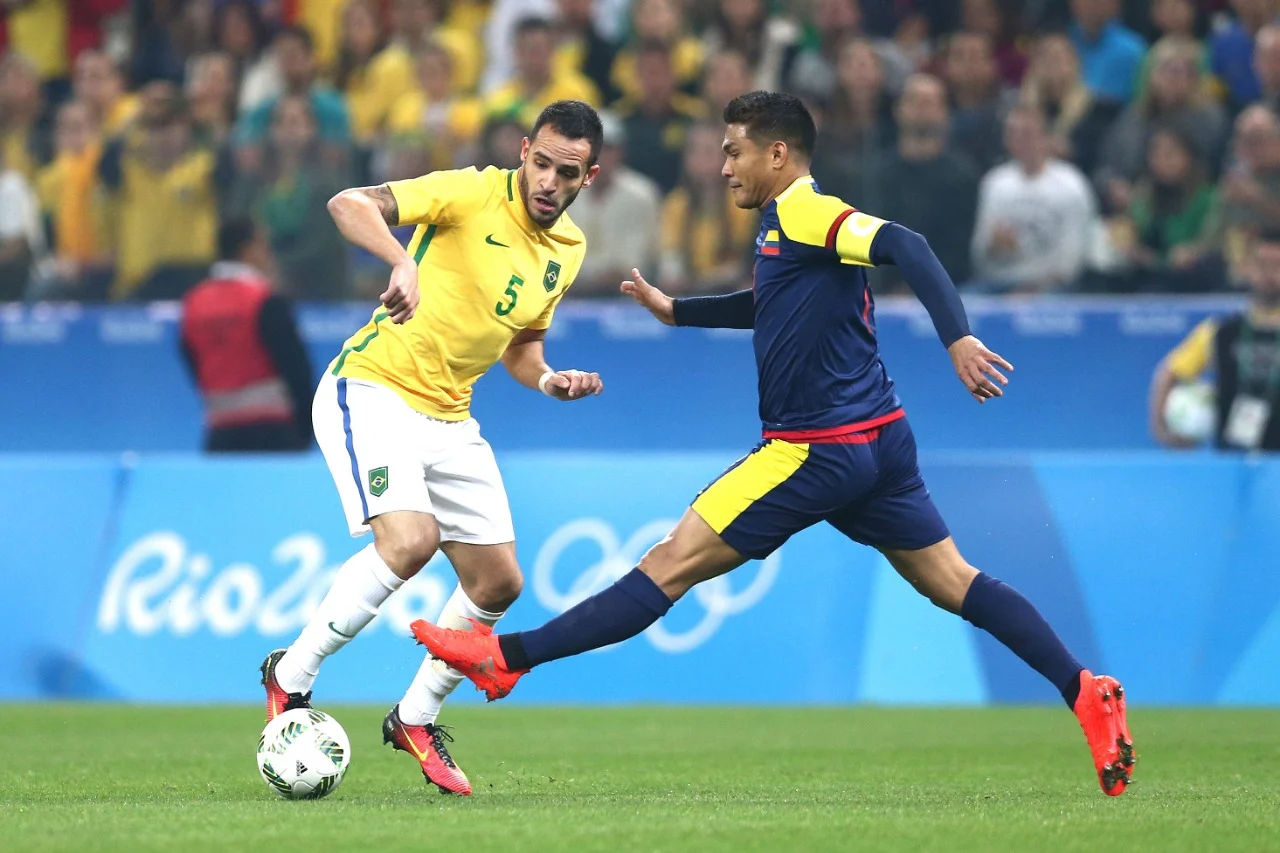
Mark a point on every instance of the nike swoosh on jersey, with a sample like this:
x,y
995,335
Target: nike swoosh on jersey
x,y
492,242
339,633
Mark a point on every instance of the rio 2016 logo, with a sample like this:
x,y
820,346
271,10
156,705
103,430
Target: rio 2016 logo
x,y
159,584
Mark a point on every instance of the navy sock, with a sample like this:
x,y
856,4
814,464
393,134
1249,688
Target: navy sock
x,y
610,616
1005,614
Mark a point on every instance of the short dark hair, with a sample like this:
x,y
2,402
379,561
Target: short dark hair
x,y
774,116
234,235
302,34
533,24
574,120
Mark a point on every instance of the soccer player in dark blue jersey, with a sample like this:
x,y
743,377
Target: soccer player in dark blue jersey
x,y
837,446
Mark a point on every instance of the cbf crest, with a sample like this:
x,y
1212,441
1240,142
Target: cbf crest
x,y
552,276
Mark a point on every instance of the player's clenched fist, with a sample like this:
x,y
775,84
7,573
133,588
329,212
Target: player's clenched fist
x,y
571,384
401,295
659,304
976,367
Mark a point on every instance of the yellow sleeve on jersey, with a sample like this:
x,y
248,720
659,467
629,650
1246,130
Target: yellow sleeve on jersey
x,y
824,220
854,237
1190,359
441,198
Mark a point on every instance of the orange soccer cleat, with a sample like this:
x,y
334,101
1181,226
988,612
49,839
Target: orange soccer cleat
x,y
474,653
427,745
1100,708
279,700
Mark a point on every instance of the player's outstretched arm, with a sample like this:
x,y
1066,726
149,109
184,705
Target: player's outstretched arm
x,y
525,360
653,300
976,365
731,311
365,215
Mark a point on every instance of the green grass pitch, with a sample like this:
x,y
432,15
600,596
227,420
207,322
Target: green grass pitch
x,y
107,778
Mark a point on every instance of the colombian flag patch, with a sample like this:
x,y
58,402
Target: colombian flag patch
x,y
769,246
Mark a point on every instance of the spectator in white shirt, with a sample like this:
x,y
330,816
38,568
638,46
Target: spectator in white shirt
x,y
1036,214
620,215
21,234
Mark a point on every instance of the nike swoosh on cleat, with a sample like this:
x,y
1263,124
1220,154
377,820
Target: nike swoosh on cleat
x,y
340,634
413,747
492,242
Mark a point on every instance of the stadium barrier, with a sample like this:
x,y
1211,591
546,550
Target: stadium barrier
x,y
109,379
167,578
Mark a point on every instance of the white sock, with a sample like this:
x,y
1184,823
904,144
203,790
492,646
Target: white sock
x,y
435,681
358,590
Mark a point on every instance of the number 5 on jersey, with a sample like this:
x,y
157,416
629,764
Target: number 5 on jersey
x,y
512,294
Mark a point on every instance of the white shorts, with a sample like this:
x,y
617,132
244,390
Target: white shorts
x,y
384,457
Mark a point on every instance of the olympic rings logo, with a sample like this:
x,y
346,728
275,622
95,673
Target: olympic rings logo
x,y
610,558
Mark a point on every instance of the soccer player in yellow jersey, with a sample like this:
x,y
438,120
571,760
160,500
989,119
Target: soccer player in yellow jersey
x,y
479,282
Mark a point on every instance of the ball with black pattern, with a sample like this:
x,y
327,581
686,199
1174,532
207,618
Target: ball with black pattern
x,y
303,754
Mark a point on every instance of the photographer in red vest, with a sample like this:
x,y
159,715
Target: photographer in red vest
x,y
242,346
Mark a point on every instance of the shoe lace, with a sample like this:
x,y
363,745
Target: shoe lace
x,y
440,734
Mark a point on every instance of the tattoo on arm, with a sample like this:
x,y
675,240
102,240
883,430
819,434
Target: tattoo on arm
x,y
386,201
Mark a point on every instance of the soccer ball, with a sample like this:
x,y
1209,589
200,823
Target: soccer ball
x,y
303,754
1189,411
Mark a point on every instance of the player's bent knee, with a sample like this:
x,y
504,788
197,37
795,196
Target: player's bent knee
x,y
690,554
497,590
938,572
948,589
666,571
406,542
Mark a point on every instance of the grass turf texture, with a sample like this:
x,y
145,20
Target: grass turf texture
x,y
641,779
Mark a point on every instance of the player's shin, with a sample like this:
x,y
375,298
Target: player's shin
x,y
1007,615
358,590
435,681
610,616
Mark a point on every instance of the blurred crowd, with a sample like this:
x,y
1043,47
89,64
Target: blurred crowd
x,y
1039,145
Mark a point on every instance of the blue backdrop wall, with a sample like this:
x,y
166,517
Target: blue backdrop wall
x,y
109,378
167,578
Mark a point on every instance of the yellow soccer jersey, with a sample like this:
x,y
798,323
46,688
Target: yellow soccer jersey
x,y
485,272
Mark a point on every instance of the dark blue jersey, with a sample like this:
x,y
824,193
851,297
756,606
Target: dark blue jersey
x,y
820,374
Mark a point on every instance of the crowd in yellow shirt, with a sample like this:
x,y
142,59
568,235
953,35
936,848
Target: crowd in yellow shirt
x,y
132,171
